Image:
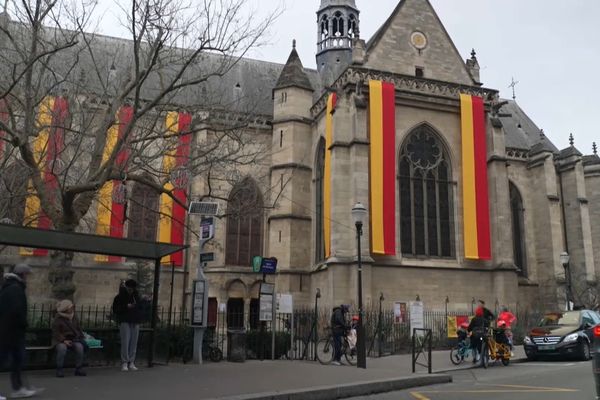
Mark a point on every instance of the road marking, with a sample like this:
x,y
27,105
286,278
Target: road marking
x,y
504,389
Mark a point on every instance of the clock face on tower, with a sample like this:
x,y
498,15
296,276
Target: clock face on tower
x,y
418,40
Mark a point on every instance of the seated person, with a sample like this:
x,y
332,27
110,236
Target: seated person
x,y
500,334
462,334
67,335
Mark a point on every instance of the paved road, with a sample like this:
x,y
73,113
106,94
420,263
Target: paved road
x,y
549,380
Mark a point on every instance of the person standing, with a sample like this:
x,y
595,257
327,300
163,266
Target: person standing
x,y
338,330
126,307
67,335
13,323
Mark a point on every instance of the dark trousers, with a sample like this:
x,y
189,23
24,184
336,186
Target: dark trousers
x,y
16,353
337,346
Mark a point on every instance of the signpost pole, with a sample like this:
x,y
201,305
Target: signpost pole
x,y
200,292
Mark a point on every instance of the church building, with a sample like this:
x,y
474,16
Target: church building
x,y
466,197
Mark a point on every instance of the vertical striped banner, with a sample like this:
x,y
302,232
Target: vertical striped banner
x,y
171,227
382,165
476,212
111,214
331,103
47,149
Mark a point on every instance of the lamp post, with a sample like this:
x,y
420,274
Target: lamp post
x,y
564,260
315,322
359,212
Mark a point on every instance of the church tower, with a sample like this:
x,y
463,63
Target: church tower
x,y
338,25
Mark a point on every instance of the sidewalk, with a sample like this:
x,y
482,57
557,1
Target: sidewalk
x,y
295,380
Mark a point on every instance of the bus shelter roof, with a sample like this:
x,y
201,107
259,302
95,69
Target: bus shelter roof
x,y
12,235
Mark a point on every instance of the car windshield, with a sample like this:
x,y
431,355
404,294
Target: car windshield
x,y
567,318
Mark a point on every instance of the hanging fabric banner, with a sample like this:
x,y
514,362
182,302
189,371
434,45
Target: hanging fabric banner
x,y
47,150
476,212
112,197
382,136
171,227
331,103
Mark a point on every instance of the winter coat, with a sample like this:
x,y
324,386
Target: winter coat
x,y
338,321
121,310
13,310
66,329
478,325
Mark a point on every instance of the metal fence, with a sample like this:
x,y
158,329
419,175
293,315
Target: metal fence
x,y
290,336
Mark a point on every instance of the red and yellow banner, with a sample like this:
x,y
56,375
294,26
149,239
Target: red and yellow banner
x,y
382,134
112,195
47,149
171,226
331,103
454,322
476,212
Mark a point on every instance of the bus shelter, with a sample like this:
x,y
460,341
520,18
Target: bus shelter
x,y
12,235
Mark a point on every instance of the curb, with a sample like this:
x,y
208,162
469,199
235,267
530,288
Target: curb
x,y
346,390
471,366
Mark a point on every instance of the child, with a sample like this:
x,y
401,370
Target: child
x,y
352,333
462,334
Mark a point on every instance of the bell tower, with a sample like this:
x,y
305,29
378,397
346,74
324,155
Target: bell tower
x,y
338,25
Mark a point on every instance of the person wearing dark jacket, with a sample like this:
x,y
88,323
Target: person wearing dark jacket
x,y
67,335
126,308
338,330
477,328
13,323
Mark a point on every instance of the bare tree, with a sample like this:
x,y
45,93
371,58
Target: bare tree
x,y
64,87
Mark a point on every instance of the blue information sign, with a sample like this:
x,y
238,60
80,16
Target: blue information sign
x,y
269,265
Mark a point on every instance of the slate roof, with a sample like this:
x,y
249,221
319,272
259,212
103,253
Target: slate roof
x,y
521,132
293,73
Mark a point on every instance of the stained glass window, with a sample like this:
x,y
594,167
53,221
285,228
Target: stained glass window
x,y
244,224
426,193
319,174
518,226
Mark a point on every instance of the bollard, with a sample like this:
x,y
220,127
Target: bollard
x,y
596,360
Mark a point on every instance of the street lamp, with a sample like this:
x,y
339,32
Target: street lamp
x,y
564,260
359,212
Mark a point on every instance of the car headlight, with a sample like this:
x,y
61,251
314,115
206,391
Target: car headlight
x,y
527,340
571,338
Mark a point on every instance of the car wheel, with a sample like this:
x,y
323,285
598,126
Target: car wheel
x,y
584,351
531,357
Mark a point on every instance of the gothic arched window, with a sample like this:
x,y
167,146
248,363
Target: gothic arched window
x,y
338,29
13,193
244,224
425,185
319,204
143,213
518,229
324,29
352,27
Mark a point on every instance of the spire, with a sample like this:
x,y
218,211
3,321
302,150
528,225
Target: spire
x,y
293,73
595,148
571,140
473,67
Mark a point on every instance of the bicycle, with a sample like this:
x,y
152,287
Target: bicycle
x,y
494,350
461,352
325,350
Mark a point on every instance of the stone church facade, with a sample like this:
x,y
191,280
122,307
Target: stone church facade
x,y
542,200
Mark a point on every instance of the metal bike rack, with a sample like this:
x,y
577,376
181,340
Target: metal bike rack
x,y
421,348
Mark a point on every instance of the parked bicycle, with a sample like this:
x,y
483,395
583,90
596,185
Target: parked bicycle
x,y
495,347
461,352
325,350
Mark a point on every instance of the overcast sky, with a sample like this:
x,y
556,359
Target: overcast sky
x,y
551,47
